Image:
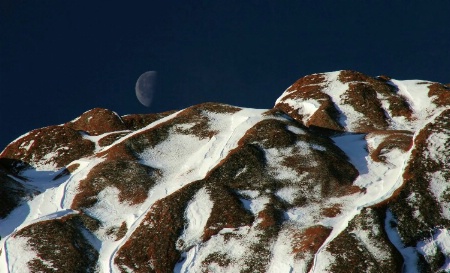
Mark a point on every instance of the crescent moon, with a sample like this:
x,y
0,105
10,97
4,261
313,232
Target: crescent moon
x,y
145,87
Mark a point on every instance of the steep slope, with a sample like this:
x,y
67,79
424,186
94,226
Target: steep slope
x,y
347,173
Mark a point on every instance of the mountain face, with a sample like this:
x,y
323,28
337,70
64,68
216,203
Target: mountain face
x,y
346,173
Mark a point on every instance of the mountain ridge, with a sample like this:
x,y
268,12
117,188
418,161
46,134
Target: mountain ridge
x,y
346,173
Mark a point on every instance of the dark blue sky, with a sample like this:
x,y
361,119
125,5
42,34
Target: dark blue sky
x,y
61,58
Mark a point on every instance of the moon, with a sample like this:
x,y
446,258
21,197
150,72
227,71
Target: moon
x,y
145,87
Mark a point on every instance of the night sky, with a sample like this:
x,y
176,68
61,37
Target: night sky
x,y
59,59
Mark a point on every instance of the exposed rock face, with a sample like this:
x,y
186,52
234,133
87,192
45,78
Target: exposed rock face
x,y
347,173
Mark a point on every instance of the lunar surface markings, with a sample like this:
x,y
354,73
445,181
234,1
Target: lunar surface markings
x,y
145,87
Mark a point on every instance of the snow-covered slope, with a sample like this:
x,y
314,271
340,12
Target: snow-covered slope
x,y
347,173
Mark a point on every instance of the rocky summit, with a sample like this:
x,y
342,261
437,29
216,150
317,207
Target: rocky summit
x,y
346,173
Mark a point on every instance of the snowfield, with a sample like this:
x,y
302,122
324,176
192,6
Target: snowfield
x,y
185,158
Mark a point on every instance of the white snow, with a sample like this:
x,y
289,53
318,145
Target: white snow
x,y
173,154
374,140
112,212
305,108
334,88
276,157
409,253
355,147
296,130
303,216
283,259
183,158
25,146
439,242
436,148
52,201
378,178
439,187
18,254
255,205
364,239
415,93
46,163
181,163
288,194
241,171
46,205
97,138
249,193
236,248
196,215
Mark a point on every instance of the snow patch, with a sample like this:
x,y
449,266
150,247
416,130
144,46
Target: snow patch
x,y
282,260
197,214
45,205
439,188
334,88
439,242
305,108
296,130
355,147
25,146
310,215
255,205
19,138
110,211
288,194
186,159
249,193
409,254
96,139
19,253
236,249
241,171
367,242
436,148
415,92
276,158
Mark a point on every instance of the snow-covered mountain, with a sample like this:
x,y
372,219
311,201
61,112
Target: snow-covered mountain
x,y
347,173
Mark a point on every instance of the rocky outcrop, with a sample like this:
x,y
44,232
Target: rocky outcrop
x,y
347,173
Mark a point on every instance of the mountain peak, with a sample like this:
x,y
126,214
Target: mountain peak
x,y
353,102
346,173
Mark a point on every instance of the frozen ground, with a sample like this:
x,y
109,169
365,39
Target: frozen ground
x,y
183,159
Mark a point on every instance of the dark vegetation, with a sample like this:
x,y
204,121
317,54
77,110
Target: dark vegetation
x,y
138,121
11,191
393,139
131,178
152,246
306,242
322,169
60,246
98,121
245,168
416,208
66,145
357,255
364,95
310,87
